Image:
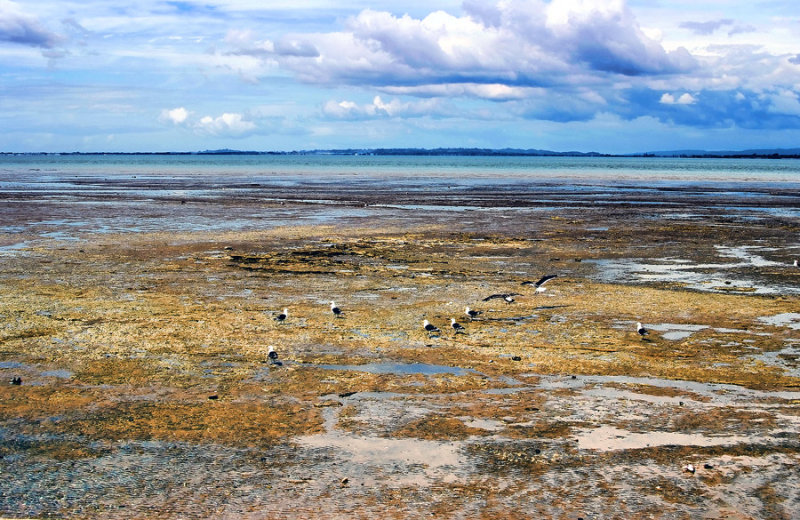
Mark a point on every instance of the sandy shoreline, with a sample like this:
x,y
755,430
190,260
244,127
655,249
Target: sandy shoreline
x,y
146,391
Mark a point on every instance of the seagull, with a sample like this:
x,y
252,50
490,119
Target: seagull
x,y
796,263
430,328
472,314
282,316
690,468
641,330
273,356
541,281
336,310
457,327
507,297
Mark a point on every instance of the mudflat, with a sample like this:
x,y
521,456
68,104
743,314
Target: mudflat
x,y
136,381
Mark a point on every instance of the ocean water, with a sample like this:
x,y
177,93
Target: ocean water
x,y
488,169
67,195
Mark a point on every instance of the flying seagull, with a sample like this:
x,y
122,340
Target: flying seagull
x,y
336,310
273,356
457,327
507,297
282,316
641,330
429,327
541,281
472,314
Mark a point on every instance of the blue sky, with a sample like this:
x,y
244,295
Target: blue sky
x,y
589,75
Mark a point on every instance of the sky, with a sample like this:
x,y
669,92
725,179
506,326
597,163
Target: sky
x,y
609,76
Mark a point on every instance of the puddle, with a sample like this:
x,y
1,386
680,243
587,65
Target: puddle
x,y
13,365
13,248
676,331
403,461
629,395
609,438
484,424
743,253
720,394
709,277
401,369
788,319
60,374
787,359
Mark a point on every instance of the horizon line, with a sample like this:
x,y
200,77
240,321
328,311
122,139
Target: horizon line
x,y
454,151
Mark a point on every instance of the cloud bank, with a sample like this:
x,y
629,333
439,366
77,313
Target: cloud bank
x,y
21,28
513,43
433,73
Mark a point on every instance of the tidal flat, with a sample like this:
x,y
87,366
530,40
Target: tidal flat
x,y
146,391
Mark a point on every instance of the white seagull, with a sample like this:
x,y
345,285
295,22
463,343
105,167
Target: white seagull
x,y
472,314
457,327
336,310
539,284
796,263
641,330
429,327
282,316
541,281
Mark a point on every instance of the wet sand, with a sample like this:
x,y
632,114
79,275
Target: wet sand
x,y
146,391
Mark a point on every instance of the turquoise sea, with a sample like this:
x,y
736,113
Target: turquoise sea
x,y
389,167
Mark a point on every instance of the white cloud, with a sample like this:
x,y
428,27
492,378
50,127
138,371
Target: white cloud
x,y
226,125
491,91
513,44
175,116
380,108
683,99
785,102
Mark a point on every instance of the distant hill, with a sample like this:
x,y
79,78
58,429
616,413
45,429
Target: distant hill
x,y
764,152
777,153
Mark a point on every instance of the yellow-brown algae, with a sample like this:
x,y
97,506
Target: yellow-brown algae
x,y
148,347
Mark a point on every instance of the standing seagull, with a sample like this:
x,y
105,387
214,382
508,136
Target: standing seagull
x,y
429,327
472,314
796,263
457,327
641,330
337,312
273,356
280,318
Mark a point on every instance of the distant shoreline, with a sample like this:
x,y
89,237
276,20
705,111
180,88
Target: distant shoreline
x,y
453,152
